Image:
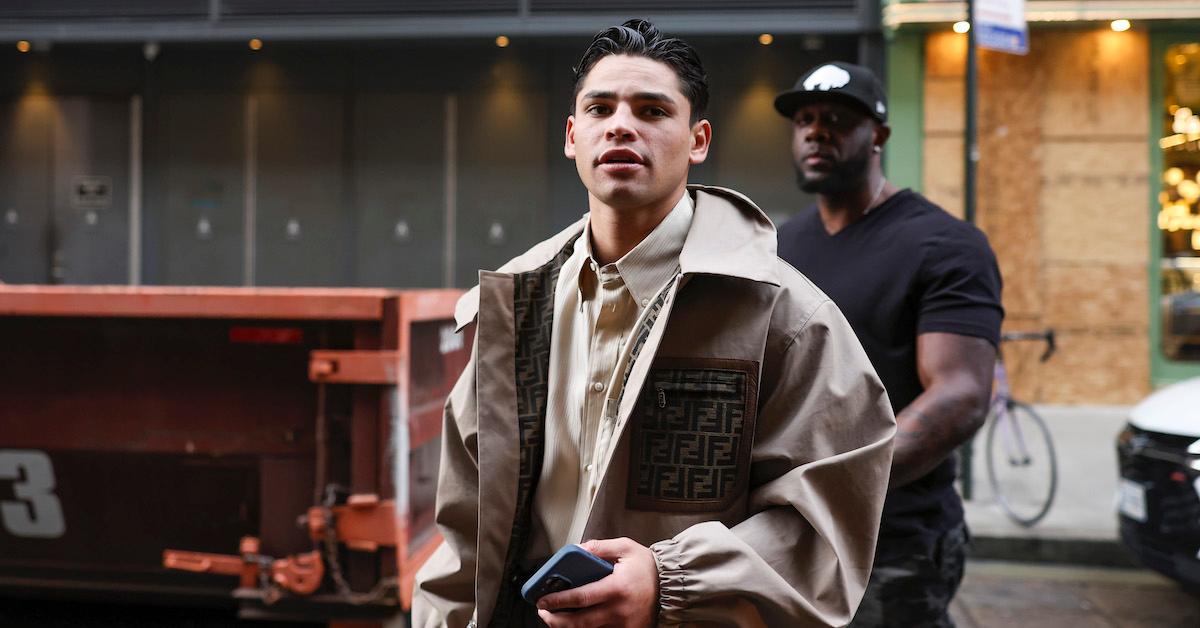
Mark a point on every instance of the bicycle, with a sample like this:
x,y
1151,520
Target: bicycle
x,y
1022,468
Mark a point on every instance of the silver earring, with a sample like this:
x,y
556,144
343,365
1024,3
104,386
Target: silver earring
x,y
876,148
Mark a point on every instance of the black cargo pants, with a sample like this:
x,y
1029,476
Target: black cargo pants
x,y
913,591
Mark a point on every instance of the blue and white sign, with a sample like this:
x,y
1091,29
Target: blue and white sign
x,y
1000,25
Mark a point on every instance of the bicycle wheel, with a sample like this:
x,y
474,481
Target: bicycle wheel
x,y
1022,469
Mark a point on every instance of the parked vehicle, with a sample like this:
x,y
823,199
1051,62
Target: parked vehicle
x,y
1158,494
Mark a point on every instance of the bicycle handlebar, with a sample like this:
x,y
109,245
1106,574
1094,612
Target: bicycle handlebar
x,y
1047,336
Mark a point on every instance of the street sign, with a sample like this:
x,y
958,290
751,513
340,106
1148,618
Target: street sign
x,y
1000,25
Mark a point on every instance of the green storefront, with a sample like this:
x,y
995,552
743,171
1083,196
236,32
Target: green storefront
x,y
1170,90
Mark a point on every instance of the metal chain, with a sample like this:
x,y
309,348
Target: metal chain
x,y
329,549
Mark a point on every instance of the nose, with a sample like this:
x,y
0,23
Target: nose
x,y
816,131
621,124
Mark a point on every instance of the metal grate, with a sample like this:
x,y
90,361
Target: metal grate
x,y
93,9
638,7
265,8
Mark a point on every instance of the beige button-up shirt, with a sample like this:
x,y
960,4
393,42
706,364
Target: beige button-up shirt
x,y
595,310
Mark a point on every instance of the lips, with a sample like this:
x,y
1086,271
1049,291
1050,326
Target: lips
x,y
818,158
620,158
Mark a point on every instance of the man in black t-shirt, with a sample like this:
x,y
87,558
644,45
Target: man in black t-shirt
x,y
922,291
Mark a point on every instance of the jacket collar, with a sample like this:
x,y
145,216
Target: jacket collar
x,y
729,236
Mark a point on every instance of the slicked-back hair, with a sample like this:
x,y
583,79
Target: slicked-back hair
x,y
643,39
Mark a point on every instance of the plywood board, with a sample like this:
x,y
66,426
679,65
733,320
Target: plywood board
x,y
945,55
1015,237
943,174
1097,297
1094,202
944,105
1097,83
1096,368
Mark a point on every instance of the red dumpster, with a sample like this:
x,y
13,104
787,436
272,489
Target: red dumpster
x,y
276,447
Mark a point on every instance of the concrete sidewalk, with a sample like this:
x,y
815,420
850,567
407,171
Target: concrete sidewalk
x,y
1005,594
1081,526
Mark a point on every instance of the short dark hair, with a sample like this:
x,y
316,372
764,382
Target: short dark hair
x,y
641,38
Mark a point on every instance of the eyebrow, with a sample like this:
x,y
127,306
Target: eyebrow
x,y
653,96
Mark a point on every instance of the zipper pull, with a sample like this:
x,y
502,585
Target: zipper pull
x,y
662,397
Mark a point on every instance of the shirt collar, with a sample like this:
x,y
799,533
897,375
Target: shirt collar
x,y
653,262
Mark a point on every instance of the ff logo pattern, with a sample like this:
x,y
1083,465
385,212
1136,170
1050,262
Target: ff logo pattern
x,y
692,434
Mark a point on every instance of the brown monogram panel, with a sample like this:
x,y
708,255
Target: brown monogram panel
x,y
693,429
533,315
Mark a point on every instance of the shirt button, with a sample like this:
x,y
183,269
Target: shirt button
x,y
588,468
645,302
597,386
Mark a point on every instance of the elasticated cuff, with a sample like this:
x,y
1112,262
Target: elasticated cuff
x,y
672,579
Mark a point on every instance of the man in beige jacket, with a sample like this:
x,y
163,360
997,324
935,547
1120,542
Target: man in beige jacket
x,y
655,379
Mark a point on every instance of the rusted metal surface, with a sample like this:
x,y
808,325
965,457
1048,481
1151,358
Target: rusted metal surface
x,y
355,367
364,523
246,566
187,302
300,574
189,418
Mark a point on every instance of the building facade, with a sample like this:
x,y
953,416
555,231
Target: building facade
x,y
1087,181
349,143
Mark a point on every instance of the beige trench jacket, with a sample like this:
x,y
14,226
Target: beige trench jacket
x,y
753,439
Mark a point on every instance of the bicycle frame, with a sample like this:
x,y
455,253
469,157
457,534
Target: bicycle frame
x,y
998,407
1011,432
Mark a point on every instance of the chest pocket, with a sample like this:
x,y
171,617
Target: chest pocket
x,y
693,428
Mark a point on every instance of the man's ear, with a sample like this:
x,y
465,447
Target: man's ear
x,y
569,141
701,140
882,133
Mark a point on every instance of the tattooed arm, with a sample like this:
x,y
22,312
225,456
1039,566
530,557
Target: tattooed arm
x,y
956,372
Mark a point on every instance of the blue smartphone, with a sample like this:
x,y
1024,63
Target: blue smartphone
x,y
570,567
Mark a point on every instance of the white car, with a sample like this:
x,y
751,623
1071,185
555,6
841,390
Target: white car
x,y
1158,495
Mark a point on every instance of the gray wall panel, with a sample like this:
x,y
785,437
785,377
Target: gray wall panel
x,y
26,164
91,143
502,191
202,154
399,192
302,220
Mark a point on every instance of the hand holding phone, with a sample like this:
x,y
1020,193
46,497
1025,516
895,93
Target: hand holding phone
x,y
570,567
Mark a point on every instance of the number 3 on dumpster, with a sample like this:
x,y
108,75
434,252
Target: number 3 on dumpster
x,y
36,513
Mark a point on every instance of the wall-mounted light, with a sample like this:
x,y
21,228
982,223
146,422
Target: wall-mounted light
x,y
23,46
502,41
962,27
766,39
255,44
1120,26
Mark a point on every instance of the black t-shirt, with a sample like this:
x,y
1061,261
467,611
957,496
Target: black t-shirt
x,y
904,269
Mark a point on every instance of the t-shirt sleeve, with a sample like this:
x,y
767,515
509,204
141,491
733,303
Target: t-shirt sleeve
x,y
960,285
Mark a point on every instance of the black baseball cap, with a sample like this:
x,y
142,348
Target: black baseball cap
x,y
836,81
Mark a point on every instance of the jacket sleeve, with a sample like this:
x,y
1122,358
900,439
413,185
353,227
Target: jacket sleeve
x,y
444,592
819,474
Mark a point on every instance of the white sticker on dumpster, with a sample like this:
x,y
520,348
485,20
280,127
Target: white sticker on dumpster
x,y
36,511
449,340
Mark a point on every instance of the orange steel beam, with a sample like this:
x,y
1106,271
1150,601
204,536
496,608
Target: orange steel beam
x,y
354,367
364,523
429,304
180,302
